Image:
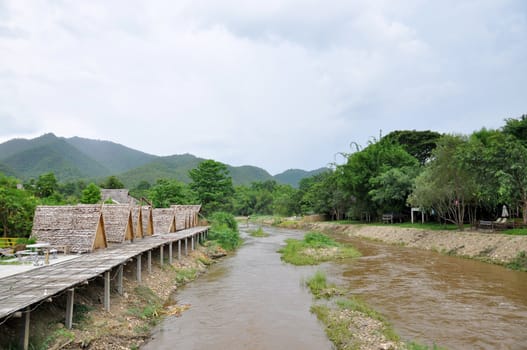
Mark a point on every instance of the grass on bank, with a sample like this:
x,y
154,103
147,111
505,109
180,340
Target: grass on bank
x,y
519,262
314,249
258,233
320,288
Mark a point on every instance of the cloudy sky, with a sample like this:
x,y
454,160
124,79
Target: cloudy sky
x,y
277,84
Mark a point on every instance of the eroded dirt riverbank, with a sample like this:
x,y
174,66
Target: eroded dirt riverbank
x,y
494,247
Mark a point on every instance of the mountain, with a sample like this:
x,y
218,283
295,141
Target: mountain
x,y
244,175
113,156
49,153
293,176
178,166
7,171
77,158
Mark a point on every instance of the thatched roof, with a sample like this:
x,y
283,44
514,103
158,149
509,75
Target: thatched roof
x,y
164,220
118,222
142,221
118,196
79,227
186,215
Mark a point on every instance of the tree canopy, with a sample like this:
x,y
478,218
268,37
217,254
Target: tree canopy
x,y
213,186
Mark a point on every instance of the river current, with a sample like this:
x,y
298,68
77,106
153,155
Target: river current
x,y
252,300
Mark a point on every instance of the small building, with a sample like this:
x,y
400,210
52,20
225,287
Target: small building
x,y
186,216
143,221
77,228
164,220
118,222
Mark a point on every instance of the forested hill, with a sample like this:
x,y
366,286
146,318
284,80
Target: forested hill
x,y
77,158
293,176
177,167
113,156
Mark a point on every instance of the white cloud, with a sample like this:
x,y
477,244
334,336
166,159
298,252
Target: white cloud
x,y
276,84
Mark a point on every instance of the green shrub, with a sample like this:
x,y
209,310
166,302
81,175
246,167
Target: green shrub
x,y
258,233
224,230
519,262
227,238
222,218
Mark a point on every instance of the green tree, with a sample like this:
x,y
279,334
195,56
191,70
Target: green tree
x,y
167,192
419,144
213,186
91,194
17,207
517,128
46,185
112,182
447,184
362,176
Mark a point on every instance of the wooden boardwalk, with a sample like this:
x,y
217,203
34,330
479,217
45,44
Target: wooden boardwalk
x,y
26,290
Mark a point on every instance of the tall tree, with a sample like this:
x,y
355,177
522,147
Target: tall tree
x,y
419,144
112,182
167,192
46,185
517,128
17,207
213,186
91,194
447,184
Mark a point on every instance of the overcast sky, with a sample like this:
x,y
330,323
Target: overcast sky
x,y
277,84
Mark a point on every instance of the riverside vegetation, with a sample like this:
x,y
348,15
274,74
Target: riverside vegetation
x,y
133,314
349,322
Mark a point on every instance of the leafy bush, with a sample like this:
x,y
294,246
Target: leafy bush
x,y
319,240
519,262
222,218
224,230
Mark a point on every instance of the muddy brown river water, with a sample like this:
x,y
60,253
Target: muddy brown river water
x,y
252,300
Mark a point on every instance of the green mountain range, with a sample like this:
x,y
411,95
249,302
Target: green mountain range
x,y
293,176
77,158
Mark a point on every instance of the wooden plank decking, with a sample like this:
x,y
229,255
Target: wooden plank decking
x,y
17,292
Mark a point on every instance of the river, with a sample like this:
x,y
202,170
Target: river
x,y
252,300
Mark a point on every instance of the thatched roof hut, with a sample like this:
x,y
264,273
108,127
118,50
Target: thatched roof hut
x,y
164,220
80,228
118,196
142,221
118,222
186,215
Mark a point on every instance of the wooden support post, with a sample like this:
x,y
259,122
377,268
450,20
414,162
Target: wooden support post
x,y
107,291
186,246
119,285
179,250
149,259
24,339
170,253
69,308
138,272
192,242
161,255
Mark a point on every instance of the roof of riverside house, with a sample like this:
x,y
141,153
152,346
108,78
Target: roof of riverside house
x,y
164,220
184,213
118,196
118,222
78,227
142,221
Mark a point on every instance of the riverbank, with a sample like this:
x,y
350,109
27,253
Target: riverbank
x,y
490,247
131,317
